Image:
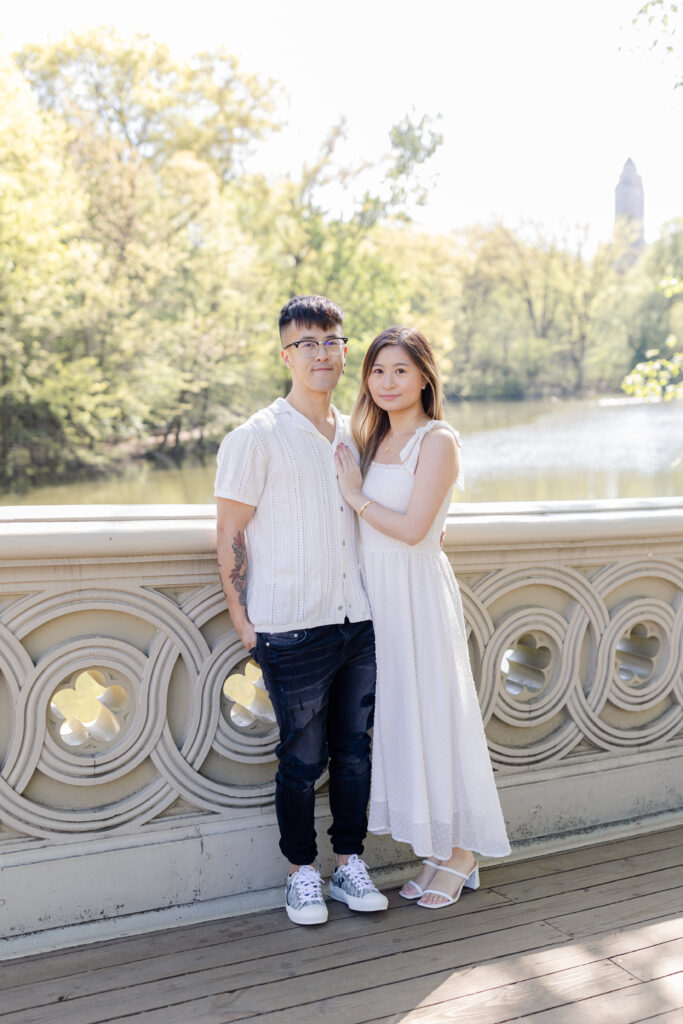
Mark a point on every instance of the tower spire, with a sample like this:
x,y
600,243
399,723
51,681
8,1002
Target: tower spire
x,y
629,204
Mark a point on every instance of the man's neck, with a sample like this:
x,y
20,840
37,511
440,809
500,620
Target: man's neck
x,y
316,407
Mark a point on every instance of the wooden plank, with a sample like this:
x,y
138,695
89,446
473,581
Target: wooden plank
x,y
427,989
509,1002
335,981
345,930
619,914
480,1009
126,950
190,1010
521,967
263,997
296,977
596,874
236,946
654,961
503,872
633,1005
253,948
253,956
257,928
431,929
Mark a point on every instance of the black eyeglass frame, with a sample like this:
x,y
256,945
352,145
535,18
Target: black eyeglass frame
x,y
312,341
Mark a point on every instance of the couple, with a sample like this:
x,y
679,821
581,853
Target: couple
x,y
290,493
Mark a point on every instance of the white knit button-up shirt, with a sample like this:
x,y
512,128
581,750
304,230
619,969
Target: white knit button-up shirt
x,y
302,541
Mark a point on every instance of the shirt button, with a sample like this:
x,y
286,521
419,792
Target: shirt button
x,y
341,508
340,607
343,543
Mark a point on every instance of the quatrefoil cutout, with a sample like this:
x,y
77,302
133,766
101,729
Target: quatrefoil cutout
x,y
250,704
636,655
89,709
524,666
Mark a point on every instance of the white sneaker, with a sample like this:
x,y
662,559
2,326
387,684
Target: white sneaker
x,y
351,884
304,901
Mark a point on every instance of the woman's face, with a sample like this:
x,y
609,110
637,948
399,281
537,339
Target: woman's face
x,y
395,383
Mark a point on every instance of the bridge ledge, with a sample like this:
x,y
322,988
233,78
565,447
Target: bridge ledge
x,y
136,742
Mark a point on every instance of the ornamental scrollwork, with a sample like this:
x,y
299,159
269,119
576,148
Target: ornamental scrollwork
x,y
123,702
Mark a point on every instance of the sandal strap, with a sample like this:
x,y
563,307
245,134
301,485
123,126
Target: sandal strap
x,y
452,871
439,892
431,864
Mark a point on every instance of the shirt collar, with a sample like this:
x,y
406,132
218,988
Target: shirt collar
x,y
282,407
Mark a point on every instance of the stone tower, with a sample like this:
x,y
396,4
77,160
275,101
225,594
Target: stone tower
x,y
629,202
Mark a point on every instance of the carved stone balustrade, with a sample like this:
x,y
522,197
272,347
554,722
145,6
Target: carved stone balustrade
x,y
136,739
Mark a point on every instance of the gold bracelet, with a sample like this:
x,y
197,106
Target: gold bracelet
x,y
362,509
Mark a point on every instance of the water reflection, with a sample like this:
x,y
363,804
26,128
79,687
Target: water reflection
x,y
576,450
512,451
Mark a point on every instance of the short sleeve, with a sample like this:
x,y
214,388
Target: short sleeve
x,y
242,466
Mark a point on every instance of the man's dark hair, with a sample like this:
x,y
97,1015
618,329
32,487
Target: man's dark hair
x,y
307,310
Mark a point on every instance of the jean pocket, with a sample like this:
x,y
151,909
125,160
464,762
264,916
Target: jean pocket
x,y
280,641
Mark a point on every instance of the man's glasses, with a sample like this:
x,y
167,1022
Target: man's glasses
x,y
309,347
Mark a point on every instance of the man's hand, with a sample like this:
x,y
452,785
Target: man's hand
x,y
247,635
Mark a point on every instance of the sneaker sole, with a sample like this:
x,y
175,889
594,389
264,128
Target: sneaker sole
x,y
307,915
372,902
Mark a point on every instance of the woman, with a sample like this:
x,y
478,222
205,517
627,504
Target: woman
x,y
432,783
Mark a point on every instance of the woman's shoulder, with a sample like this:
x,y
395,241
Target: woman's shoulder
x,y
442,444
441,432
437,439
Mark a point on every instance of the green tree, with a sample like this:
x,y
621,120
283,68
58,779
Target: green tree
x,y
304,248
660,373
157,145
41,211
135,93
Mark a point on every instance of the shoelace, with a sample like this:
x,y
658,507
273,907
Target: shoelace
x,y
307,883
357,871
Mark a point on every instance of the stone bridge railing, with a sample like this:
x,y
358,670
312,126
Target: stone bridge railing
x,y
136,741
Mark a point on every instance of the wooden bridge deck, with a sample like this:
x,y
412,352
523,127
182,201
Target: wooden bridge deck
x,y
593,935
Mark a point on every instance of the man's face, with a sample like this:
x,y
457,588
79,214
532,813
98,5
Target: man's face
x,y
315,368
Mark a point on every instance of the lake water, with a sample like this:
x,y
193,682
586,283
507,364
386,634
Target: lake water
x,y
512,451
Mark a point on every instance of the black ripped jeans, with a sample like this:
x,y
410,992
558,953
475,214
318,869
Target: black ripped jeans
x,y
321,683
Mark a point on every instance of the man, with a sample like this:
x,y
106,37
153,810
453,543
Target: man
x,y
288,561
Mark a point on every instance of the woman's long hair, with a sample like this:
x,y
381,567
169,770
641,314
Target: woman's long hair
x,y
369,423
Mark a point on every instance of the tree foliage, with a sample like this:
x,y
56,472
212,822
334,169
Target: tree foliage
x,y
659,375
135,94
142,267
661,21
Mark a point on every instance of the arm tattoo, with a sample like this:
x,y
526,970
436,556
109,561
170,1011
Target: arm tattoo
x,y
238,574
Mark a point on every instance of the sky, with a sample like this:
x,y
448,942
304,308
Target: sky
x,y
540,102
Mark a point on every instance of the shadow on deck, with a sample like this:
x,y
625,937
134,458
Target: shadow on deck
x,y
592,935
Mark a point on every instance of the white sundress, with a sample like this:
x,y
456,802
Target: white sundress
x,y
432,781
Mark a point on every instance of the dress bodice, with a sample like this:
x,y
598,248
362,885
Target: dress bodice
x,y
392,486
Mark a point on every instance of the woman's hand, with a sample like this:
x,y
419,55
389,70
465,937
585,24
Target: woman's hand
x,y
349,476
